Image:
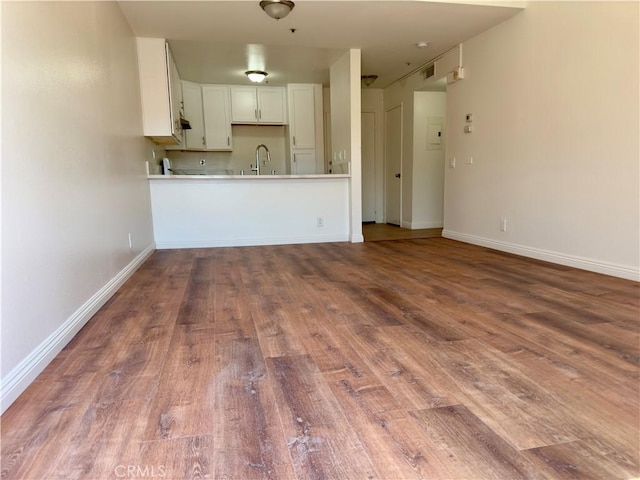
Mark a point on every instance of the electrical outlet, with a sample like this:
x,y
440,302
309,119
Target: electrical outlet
x,y
320,222
203,162
452,162
130,242
503,224
470,161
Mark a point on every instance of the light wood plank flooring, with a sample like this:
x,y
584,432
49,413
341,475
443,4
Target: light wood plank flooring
x,y
375,232
394,360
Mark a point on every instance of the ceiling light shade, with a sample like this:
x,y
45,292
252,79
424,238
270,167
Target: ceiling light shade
x,y
277,8
367,80
256,75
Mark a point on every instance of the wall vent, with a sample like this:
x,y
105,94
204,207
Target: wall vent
x,y
429,71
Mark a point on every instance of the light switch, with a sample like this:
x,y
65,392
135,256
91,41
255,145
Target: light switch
x,y
468,128
452,162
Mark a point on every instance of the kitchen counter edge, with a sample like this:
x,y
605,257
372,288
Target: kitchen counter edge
x,y
248,177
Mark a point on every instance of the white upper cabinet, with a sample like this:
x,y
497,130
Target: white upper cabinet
x,y
265,105
244,104
192,101
175,95
217,117
302,116
160,91
272,105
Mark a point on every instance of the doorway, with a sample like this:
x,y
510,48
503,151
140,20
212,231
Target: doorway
x,y
393,165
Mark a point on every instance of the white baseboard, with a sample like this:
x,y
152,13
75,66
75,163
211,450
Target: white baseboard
x,y
249,242
418,225
358,238
615,270
18,379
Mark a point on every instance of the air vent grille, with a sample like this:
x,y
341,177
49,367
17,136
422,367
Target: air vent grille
x,y
429,71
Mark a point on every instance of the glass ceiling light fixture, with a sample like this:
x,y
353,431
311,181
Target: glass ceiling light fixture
x,y
277,8
256,75
367,80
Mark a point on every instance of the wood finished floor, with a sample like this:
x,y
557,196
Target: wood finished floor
x,y
375,232
393,360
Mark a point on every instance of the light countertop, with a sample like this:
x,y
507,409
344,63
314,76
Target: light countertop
x,y
248,177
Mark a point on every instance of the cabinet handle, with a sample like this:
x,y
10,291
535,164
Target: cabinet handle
x,y
203,142
259,114
294,140
256,114
228,141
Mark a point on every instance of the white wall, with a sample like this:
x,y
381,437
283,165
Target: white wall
x,y
192,213
245,140
428,162
73,175
554,95
402,93
345,131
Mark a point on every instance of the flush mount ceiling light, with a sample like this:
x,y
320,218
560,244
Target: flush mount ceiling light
x,y
277,8
256,75
367,80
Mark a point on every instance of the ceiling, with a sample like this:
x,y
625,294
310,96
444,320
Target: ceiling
x,y
217,41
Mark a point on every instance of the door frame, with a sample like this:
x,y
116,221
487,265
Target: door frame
x,y
386,162
374,163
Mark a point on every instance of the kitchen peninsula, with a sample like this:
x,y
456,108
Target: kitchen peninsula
x,y
192,211
231,129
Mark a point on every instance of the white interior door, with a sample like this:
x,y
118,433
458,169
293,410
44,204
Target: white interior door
x,y
393,165
368,167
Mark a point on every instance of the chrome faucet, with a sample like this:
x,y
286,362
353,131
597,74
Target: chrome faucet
x,y
257,167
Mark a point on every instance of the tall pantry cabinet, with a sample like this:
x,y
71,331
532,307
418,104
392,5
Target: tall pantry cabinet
x,y
306,145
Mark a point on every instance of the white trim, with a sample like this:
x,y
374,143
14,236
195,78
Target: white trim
x,y
18,379
248,242
615,270
419,225
357,238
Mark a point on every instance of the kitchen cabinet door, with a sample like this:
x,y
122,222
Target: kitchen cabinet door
x,y
175,95
271,105
302,116
256,105
244,105
192,101
303,162
217,117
